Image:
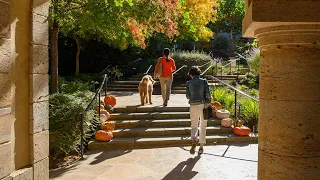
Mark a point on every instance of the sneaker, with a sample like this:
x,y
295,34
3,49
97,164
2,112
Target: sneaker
x,y
200,151
193,148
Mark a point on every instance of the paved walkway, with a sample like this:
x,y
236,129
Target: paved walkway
x,y
133,99
221,162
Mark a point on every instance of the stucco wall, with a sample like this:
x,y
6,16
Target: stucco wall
x,y
24,113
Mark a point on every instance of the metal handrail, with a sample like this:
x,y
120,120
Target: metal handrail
x,y
148,69
204,64
139,59
105,69
206,70
231,61
233,88
80,115
180,69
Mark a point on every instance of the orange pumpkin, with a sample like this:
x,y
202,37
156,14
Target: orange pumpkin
x,y
241,131
105,113
216,104
103,135
108,126
110,100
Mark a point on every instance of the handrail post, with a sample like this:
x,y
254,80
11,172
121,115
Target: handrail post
x,y
81,134
105,86
99,104
235,107
230,68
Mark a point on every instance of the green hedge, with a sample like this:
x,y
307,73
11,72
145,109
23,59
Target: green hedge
x,y
192,58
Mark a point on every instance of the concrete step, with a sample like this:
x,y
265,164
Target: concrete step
x,y
150,115
119,89
140,75
142,109
165,131
209,82
178,88
123,89
134,79
178,91
125,124
136,82
226,76
123,85
168,141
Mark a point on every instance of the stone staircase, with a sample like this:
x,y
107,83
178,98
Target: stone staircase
x,y
157,126
178,88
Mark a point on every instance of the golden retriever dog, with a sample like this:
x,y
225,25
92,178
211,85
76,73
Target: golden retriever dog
x,y
145,89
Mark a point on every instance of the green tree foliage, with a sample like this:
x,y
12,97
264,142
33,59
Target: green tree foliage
x,y
230,14
123,22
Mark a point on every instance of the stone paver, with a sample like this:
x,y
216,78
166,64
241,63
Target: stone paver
x,y
221,162
133,99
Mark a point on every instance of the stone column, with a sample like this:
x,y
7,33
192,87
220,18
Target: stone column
x,y
289,118
39,90
5,89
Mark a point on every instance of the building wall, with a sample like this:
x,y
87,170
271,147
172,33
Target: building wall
x,y
24,106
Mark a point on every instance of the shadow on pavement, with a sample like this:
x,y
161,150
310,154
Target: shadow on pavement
x,y
119,94
183,170
61,171
104,155
223,156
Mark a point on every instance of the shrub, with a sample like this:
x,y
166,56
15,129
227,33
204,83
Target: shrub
x,y
63,123
218,94
225,97
192,58
114,73
69,87
250,111
253,92
253,59
251,80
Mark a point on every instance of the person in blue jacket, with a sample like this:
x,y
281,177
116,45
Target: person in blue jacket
x,y
199,95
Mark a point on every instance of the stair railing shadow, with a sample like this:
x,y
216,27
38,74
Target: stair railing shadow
x,y
107,155
223,155
183,170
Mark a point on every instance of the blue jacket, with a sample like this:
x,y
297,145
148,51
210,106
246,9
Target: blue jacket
x,y
198,91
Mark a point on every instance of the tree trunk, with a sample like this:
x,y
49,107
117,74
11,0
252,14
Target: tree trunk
x,y
54,57
77,56
231,38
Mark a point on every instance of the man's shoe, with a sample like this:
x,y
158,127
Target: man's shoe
x,y
193,148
